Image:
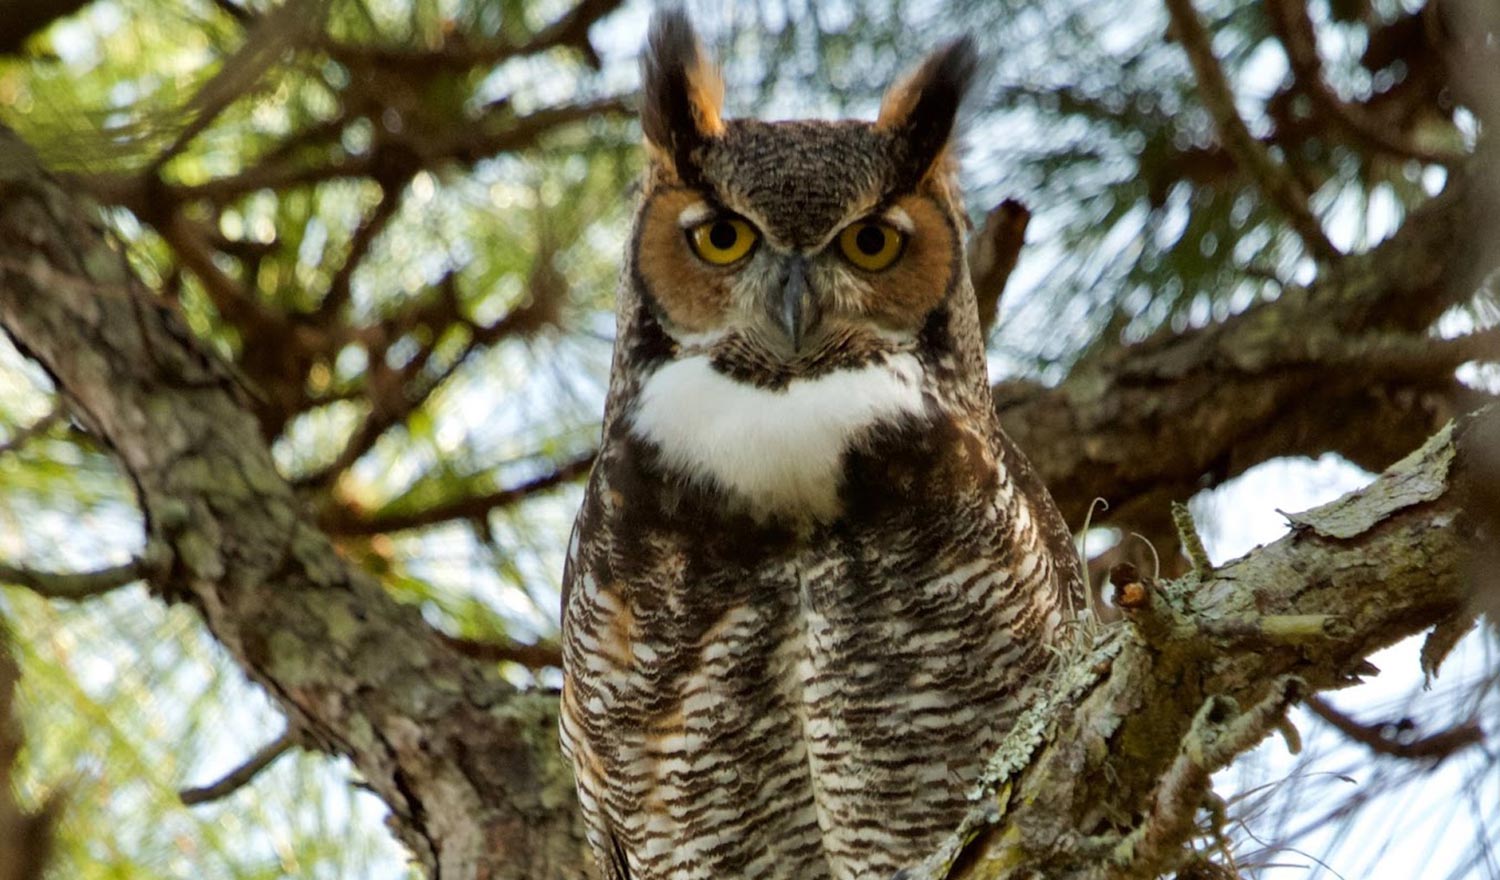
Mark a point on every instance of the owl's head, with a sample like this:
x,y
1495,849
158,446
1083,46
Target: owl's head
x,y
790,249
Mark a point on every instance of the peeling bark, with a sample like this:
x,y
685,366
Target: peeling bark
x,y
1105,778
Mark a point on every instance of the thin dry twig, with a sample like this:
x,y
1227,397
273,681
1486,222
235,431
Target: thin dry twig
x,y
1434,747
1192,544
1213,90
541,655
1218,733
240,776
346,522
74,586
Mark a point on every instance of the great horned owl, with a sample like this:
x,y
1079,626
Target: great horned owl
x,y
812,583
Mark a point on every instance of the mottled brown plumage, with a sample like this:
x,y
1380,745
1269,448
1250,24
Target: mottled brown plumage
x,y
812,584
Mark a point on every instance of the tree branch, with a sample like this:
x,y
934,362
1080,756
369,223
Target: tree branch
x,y
1233,394
1213,89
569,30
25,18
343,521
24,435
497,132
74,586
242,775
993,251
1130,725
1434,747
25,836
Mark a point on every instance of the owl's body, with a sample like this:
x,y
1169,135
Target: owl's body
x,y
812,583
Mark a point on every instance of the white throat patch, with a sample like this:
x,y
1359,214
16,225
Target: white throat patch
x,y
779,450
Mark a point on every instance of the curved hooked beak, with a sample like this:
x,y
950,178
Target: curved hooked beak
x,y
795,309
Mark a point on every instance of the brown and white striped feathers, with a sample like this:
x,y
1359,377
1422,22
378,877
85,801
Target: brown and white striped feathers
x,y
812,584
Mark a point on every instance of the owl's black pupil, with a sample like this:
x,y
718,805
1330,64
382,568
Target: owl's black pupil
x,y
722,235
870,240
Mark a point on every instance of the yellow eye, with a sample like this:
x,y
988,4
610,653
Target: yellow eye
x,y
722,241
870,246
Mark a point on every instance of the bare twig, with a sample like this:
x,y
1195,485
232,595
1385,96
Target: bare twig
x,y
369,229
344,522
191,243
569,30
538,656
481,140
75,585
1213,89
397,394
240,776
1192,545
269,37
1434,747
1218,733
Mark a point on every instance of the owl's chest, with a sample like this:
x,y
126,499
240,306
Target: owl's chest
x,y
762,698
772,452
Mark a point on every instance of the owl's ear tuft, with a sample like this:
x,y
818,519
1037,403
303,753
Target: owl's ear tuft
x,y
682,93
919,110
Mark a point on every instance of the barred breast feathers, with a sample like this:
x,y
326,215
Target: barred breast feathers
x,y
778,451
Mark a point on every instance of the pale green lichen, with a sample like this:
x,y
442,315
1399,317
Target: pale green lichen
x,y
1419,477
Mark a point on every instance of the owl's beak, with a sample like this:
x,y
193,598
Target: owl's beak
x,y
797,311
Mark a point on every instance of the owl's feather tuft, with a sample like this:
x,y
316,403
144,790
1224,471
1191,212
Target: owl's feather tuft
x,y
683,93
919,111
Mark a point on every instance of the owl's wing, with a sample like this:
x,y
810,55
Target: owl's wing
x,y
1054,529
609,851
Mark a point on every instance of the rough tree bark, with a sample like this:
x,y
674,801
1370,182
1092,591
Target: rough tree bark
x,y
1105,778
468,765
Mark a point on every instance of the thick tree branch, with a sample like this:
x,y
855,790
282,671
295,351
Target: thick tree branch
x,y
1104,773
24,18
1307,373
